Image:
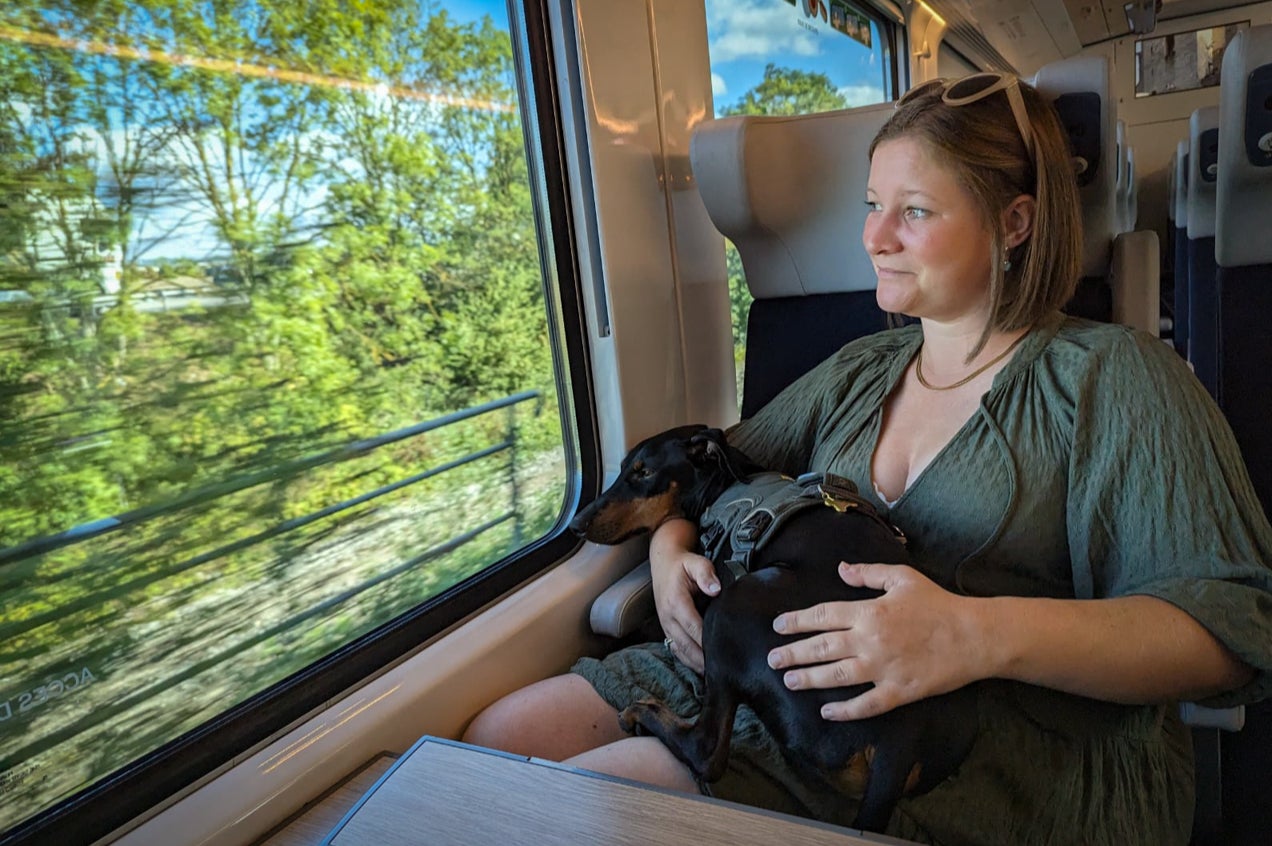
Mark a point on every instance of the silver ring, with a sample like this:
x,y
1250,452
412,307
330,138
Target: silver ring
x,y
670,644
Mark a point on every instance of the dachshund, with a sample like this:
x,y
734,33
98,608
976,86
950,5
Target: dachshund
x,y
906,751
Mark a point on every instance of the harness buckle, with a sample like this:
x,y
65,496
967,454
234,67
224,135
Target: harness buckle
x,y
837,503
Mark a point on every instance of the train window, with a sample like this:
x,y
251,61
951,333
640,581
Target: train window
x,y
276,353
786,57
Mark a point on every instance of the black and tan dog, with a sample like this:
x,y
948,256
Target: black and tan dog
x,y
905,751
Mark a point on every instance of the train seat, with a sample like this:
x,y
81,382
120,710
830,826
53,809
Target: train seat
x,y
1203,165
788,192
1243,250
1135,281
1080,88
1122,181
1243,255
1120,267
1179,248
1135,265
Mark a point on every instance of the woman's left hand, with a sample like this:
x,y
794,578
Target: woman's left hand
x,y
915,641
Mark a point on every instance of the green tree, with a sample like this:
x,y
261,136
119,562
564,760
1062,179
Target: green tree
x,y
377,246
789,91
348,180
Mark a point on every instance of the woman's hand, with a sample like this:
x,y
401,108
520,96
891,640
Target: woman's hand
x,y
678,574
915,641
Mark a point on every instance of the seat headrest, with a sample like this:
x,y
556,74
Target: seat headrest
x,y
1080,88
1179,197
1203,169
789,192
1244,186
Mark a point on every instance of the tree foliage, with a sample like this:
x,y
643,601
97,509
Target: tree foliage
x,y
789,91
363,259
235,235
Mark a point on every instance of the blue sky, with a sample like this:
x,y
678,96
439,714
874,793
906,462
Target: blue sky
x,y
745,35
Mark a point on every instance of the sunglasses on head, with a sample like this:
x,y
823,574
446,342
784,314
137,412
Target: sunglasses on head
x,y
978,86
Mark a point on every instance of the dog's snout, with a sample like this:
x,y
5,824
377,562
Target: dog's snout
x,y
579,525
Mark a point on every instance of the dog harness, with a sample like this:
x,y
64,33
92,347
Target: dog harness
x,y
749,514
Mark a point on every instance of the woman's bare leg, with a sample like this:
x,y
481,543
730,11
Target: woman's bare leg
x,y
555,719
564,719
639,758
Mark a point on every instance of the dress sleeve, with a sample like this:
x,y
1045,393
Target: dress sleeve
x,y
1160,503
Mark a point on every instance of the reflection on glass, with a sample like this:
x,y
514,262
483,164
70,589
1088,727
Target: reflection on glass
x,y
252,255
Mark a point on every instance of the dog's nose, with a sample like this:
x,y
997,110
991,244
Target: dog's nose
x,y
583,520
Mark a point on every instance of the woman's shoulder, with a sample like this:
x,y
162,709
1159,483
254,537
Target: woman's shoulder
x,y
1088,347
1096,364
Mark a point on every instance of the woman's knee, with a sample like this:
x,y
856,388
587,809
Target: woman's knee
x,y
641,758
554,719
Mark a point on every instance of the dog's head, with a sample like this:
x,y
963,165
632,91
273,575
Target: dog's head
x,y
676,473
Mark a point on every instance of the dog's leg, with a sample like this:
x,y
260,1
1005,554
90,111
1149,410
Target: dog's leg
x,y
892,772
702,744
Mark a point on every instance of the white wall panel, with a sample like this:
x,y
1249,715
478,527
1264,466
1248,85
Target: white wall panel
x,y
667,360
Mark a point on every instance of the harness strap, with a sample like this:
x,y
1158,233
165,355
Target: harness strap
x,y
748,514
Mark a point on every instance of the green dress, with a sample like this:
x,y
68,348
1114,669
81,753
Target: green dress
x,y
1095,466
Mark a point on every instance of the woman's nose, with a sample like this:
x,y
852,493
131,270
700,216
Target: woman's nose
x,y
879,235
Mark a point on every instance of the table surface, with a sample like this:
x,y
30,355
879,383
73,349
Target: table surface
x,y
444,792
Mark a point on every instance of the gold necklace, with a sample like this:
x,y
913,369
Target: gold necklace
x,y
918,368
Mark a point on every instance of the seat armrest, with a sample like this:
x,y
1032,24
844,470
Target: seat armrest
x,y
621,609
1199,716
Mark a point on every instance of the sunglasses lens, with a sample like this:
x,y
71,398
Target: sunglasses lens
x,y
921,89
969,87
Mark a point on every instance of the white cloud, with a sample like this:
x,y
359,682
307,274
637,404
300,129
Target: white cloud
x,y
718,86
862,95
754,29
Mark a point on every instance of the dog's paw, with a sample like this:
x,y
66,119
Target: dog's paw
x,y
635,716
629,720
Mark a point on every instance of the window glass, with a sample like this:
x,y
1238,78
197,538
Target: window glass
x,y
275,360
787,57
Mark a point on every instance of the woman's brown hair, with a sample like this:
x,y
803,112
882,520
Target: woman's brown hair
x,y
981,145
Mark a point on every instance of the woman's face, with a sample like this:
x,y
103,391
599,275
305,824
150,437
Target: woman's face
x,y
925,237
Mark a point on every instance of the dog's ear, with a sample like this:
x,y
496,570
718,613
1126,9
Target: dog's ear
x,y
707,445
710,445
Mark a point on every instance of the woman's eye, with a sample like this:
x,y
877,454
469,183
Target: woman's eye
x,y
916,213
871,205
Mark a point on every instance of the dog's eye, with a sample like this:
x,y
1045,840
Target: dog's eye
x,y
642,473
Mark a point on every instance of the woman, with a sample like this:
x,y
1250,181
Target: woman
x,y
1083,531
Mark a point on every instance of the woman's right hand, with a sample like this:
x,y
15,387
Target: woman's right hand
x,y
678,573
